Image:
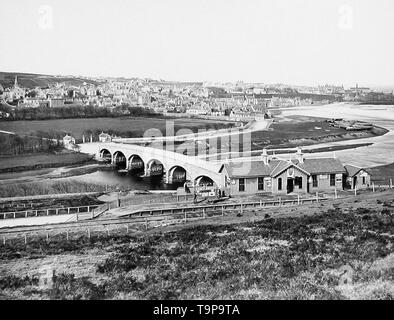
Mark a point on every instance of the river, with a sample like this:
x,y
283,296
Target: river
x,y
123,180
381,152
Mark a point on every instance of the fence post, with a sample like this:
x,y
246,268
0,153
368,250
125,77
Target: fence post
x,y
88,233
280,201
3,240
336,193
25,239
317,196
57,211
67,235
373,187
391,183
146,223
355,191
127,229
261,203
298,199
222,211
242,207
14,215
203,213
185,217
47,236
26,214
77,216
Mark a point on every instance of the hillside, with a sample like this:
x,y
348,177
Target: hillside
x,y
30,80
339,249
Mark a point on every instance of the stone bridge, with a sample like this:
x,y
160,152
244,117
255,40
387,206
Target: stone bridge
x,y
147,161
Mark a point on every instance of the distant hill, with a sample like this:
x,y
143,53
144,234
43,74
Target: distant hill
x,y
31,80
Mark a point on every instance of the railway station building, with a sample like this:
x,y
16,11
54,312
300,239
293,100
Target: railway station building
x,y
271,175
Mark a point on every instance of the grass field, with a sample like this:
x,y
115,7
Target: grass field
x,y
76,127
291,134
335,250
37,161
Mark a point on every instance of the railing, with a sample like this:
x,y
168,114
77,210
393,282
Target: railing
x,y
16,205
46,212
139,223
89,215
240,206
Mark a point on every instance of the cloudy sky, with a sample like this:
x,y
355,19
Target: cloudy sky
x,y
269,41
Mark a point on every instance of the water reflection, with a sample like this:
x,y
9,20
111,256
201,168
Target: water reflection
x,y
124,180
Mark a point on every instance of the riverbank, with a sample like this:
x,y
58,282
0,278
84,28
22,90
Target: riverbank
x,y
288,133
49,187
39,161
294,131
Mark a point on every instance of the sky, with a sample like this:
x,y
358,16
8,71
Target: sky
x,y
299,42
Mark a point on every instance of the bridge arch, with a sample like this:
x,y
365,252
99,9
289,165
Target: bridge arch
x,y
136,165
155,167
204,180
119,160
105,155
177,174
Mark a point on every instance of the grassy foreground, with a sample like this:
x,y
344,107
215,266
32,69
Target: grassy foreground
x,y
342,250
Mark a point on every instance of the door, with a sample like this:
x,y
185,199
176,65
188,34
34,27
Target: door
x,y
354,182
290,185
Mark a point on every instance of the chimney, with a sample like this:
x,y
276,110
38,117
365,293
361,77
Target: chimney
x,y
265,157
300,155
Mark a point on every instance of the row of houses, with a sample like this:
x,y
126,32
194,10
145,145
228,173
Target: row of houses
x,y
272,175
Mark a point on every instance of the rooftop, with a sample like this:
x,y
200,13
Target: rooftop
x,y
276,166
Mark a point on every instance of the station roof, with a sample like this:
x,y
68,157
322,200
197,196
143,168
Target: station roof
x,y
251,169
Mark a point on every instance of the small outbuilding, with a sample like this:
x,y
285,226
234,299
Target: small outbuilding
x,y
105,137
357,177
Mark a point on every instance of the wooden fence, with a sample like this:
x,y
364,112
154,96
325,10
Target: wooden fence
x,y
108,226
239,206
46,212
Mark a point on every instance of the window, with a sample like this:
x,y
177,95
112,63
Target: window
x,y
260,183
314,181
298,182
280,184
241,182
364,180
332,180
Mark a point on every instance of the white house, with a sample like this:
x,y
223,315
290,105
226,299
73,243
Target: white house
x,y
105,137
69,142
